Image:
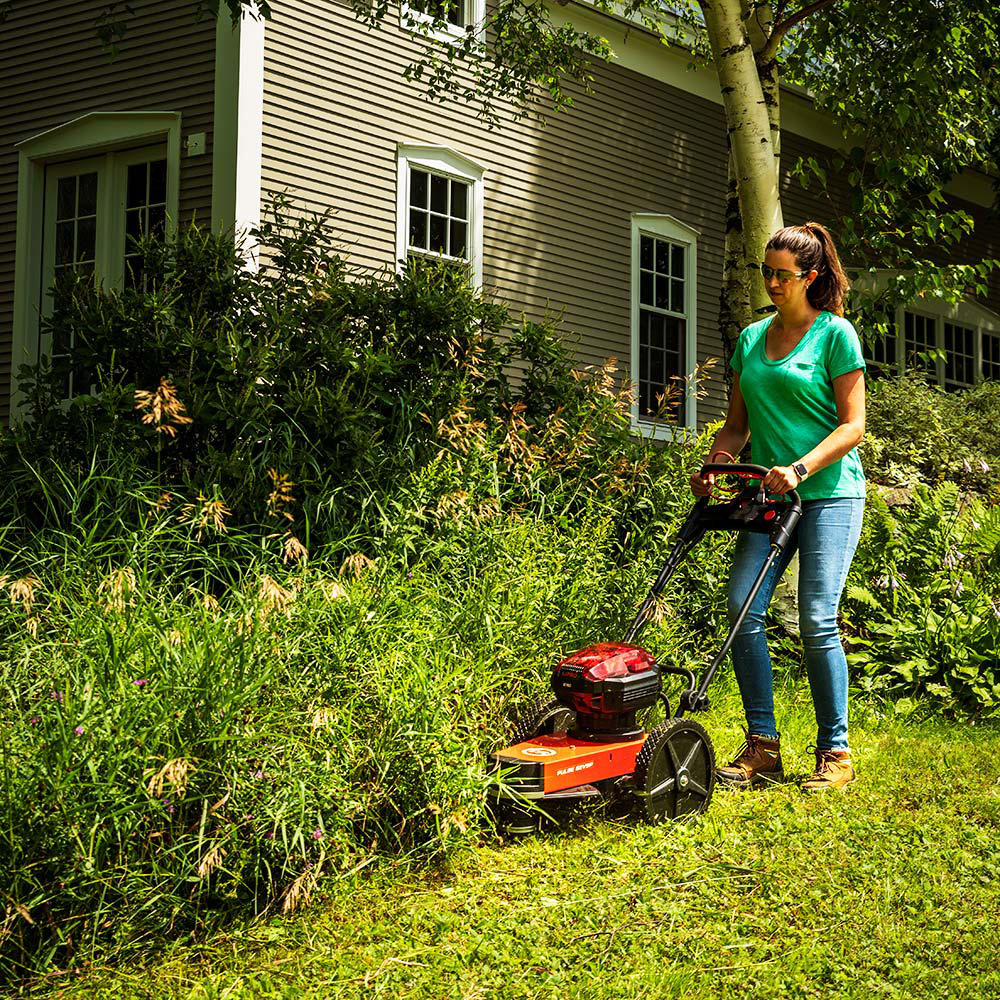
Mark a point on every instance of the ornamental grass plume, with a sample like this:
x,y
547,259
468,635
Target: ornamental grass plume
x,y
298,894
356,564
206,514
211,860
23,590
293,549
161,408
273,595
281,495
174,774
119,585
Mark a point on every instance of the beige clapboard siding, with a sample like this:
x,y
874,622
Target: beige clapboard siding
x,y
54,71
557,199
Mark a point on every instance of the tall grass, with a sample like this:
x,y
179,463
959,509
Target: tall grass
x,y
168,754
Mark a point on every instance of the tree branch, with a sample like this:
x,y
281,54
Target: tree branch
x,y
780,30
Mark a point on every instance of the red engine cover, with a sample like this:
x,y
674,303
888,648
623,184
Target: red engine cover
x,y
610,659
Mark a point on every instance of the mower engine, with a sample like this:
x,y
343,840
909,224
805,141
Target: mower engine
x,y
605,685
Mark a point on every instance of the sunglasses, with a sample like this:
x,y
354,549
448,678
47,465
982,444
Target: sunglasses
x,y
782,275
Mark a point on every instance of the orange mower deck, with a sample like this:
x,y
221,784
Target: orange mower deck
x,y
559,762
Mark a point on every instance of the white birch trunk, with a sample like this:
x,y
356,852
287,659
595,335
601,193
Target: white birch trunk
x,y
749,126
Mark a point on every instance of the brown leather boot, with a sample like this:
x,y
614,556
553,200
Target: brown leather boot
x,y
834,770
758,762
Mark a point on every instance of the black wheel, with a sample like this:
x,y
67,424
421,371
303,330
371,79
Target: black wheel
x,y
675,771
544,718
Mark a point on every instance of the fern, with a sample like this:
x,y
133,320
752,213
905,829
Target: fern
x,y
862,595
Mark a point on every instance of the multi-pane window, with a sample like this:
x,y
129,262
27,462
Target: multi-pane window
x,y
145,212
662,333
991,356
96,212
439,207
955,354
452,11
76,223
75,253
959,356
438,214
919,342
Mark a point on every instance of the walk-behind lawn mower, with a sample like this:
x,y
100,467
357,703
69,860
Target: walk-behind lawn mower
x,y
585,743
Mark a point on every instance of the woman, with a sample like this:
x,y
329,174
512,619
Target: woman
x,y
799,395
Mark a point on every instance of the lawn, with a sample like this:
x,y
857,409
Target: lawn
x,y
889,890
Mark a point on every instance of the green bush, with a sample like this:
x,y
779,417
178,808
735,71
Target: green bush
x,y
922,603
917,432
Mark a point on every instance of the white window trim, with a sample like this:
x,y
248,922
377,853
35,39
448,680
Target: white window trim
x,y
440,160
667,227
419,23
79,139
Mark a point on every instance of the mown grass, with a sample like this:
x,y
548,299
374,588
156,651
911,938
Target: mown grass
x,y
892,890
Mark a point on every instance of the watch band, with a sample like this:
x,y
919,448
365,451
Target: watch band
x,y
800,470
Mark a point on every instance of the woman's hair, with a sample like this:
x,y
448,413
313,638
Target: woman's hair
x,y
814,250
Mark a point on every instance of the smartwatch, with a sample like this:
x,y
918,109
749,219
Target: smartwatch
x,y
800,470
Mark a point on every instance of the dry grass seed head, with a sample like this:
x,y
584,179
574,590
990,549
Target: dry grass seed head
x,y
273,595
119,586
333,590
298,894
294,550
206,513
174,774
23,590
281,495
161,408
211,860
357,564
31,624
322,718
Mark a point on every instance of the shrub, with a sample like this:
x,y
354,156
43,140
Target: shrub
x,y
922,604
917,432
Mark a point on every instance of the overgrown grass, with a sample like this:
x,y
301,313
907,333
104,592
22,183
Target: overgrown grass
x,y
890,890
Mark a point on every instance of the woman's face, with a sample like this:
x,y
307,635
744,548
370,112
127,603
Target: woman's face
x,y
791,291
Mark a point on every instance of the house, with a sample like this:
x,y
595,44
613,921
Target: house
x,y
610,214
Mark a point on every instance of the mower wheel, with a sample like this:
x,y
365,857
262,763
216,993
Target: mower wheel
x,y
544,718
675,770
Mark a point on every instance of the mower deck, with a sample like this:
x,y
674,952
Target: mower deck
x,y
558,763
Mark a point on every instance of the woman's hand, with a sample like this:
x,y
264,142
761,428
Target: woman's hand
x,y
781,479
701,486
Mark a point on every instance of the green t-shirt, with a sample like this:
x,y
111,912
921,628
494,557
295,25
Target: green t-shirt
x,y
790,402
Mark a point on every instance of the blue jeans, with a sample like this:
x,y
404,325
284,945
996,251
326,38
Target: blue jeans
x,y
826,538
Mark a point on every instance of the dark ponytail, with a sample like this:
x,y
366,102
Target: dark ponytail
x,y
814,250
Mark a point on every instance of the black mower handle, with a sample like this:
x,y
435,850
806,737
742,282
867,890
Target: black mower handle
x,y
744,471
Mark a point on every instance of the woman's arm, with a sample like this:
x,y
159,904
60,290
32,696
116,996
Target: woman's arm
x,y
731,438
849,395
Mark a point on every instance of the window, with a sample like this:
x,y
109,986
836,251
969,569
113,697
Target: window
x,y
439,215
955,346
991,356
439,207
443,20
96,212
664,287
86,190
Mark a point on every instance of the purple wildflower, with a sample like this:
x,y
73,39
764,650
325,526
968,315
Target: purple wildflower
x,y
317,834
269,835
141,682
258,775
56,696
78,730
35,720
